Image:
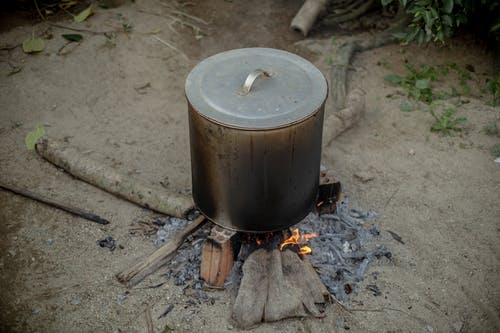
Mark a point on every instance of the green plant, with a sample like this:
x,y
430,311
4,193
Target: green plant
x,y
493,87
446,122
495,150
491,129
417,84
436,20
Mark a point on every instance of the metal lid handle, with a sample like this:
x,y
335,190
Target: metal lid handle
x,y
247,86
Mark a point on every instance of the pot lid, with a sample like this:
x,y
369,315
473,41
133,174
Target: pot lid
x,y
256,88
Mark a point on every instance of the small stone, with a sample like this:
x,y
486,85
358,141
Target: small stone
x,y
36,310
346,248
50,241
411,152
364,176
121,297
161,234
457,326
428,328
230,327
75,301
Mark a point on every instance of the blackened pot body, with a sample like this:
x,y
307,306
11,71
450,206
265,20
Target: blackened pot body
x,y
255,180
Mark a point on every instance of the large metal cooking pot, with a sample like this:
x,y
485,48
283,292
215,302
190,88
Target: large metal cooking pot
x,y
255,125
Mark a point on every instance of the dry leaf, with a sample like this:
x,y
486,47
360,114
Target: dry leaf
x,y
33,137
33,45
84,14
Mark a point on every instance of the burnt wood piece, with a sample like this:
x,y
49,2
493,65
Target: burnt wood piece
x,y
145,266
277,285
330,192
217,257
51,202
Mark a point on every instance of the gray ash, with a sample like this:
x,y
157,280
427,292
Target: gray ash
x,y
343,249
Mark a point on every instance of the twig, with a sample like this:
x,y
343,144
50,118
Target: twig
x,y
181,13
149,320
384,309
171,46
67,208
167,311
9,47
82,30
390,198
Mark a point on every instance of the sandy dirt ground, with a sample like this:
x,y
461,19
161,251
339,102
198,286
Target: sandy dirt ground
x,y
121,100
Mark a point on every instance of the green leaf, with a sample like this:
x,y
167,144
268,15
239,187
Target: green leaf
x,y
84,14
393,79
422,84
386,2
406,106
400,35
33,137
448,6
33,45
73,37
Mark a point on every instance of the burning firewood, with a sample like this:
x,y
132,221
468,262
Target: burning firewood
x,y
277,285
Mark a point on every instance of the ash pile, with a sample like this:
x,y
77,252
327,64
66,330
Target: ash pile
x,y
345,245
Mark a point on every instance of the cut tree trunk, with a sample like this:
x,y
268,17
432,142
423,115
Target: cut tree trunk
x,y
104,177
277,285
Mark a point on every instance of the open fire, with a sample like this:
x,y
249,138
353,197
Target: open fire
x,y
299,240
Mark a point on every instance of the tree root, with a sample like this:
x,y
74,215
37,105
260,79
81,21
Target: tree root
x,y
345,52
348,11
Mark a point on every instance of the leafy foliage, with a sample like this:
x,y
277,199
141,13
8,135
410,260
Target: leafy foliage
x,y
493,87
495,150
418,83
435,20
446,122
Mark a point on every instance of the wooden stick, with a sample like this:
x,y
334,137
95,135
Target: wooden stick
x,y
149,320
53,203
145,266
93,172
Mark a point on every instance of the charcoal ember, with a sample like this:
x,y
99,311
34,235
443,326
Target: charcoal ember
x,y
108,242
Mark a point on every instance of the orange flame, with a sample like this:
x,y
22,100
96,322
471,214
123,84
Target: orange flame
x,y
258,241
299,239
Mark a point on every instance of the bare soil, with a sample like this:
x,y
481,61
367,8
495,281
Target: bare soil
x,y
121,100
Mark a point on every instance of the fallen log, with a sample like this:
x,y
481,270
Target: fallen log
x,y
307,15
124,186
338,122
54,203
146,266
277,285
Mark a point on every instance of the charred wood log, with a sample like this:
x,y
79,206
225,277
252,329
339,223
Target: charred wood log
x,y
146,266
277,285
